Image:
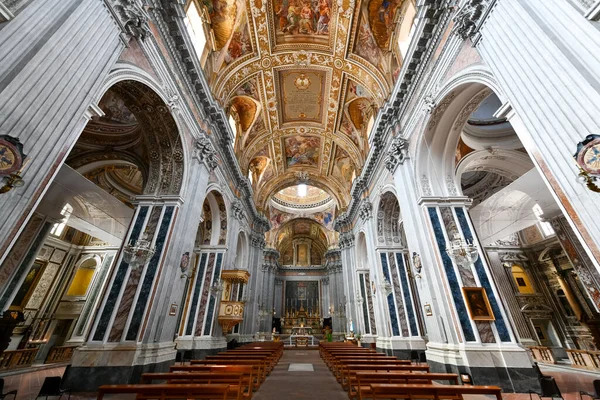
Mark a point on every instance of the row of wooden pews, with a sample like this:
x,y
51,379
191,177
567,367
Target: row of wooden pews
x,y
367,374
230,375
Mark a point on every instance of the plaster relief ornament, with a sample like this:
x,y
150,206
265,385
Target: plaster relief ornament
x,y
302,82
237,209
11,155
366,210
467,18
133,18
397,154
205,153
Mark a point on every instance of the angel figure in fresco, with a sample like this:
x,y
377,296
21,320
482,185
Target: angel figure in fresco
x,y
293,20
324,16
306,19
283,15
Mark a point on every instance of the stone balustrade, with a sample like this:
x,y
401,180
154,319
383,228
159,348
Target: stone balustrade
x,y
587,359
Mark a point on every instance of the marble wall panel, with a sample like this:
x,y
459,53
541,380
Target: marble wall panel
x,y
142,301
406,291
484,279
390,298
212,302
365,307
455,289
205,290
113,294
197,287
42,287
21,256
369,301
101,275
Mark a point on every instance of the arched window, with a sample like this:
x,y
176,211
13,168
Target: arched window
x,y
59,227
83,277
522,280
195,27
545,227
406,28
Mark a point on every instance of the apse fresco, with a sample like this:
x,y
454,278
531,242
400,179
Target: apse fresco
x,y
381,20
240,43
302,20
343,167
248,88
325,218
115,110
301,227
246,109
222,18
279,218
366,47
359,111
347,129
302,150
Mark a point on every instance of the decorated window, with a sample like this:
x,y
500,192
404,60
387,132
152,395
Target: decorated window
x,y
59,227
195,27
545,227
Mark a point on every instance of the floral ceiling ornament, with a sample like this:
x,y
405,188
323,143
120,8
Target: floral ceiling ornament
x,y
205,153
429,104
302,58
133,18
397,154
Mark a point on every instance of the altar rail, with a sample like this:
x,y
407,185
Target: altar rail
x,y
60,354
587,359
542,354
15,359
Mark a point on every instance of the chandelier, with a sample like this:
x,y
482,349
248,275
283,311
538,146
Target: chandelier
x,y
138,254
461,251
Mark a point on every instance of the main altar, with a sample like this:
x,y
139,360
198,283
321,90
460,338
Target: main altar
x,y
301,322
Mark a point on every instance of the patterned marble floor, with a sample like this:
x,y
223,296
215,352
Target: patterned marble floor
x,y
302,385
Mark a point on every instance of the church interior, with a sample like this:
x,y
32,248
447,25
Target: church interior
x,y
213,199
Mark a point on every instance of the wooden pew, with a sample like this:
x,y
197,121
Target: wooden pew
x,y
168,391
359,382
338,371
349,369
258,366
436,392
339,361
271,361
233,359
240,386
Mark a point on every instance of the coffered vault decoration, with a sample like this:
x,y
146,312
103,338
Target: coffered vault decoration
x,y
302,80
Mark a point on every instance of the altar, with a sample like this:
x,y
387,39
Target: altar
x,y
302,340
296,321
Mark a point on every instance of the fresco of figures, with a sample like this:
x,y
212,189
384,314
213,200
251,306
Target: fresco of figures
x,y
302,150
302,17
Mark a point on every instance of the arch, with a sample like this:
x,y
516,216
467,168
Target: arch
x,y
389,227
213,225
439,139
168,94
362,256
137,128
241,254
83,276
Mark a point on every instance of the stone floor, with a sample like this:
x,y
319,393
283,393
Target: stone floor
x,y
298,384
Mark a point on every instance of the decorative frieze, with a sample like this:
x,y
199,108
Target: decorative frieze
x,y
397,154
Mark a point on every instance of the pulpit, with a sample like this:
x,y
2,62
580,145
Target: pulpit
x,y
231,310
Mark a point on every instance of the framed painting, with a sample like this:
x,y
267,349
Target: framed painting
x,y
478,304
28,285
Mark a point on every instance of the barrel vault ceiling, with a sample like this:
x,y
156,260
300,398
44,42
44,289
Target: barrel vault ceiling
x,y
302,80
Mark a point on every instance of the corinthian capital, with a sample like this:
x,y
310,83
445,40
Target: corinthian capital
x,y
205,153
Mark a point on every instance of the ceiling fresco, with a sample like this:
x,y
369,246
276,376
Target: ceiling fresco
x,y
304,80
